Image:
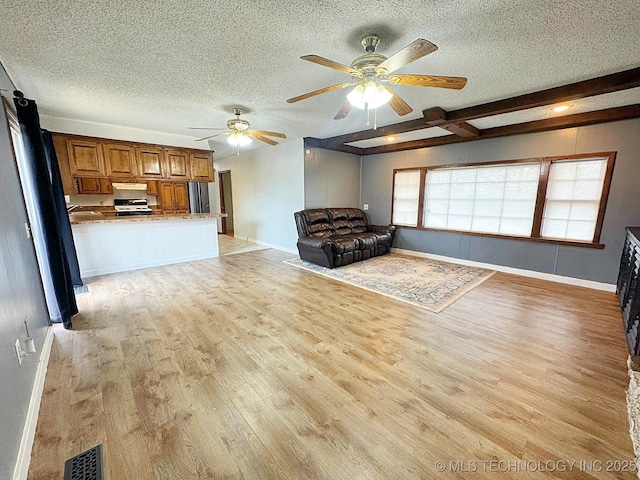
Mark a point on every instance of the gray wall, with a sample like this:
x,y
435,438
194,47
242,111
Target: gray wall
x,y
331,179
623,208
20,296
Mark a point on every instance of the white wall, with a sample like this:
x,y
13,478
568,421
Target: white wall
x,y
268,187
92,129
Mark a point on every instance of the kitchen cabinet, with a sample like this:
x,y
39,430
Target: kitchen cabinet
x,y
174,197
152,188
85,158
150,162
120,160
94,186
201,167
90,157
177,164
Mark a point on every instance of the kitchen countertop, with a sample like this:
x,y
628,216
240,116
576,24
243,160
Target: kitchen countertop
x,y
143,218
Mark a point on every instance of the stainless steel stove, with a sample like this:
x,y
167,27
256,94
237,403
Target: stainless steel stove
x,y
131,206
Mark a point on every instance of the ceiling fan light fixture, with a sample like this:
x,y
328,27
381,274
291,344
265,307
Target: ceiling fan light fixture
x,y
239,139
369,95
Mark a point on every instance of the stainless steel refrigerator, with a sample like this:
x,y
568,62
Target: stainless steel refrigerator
x,y
199,197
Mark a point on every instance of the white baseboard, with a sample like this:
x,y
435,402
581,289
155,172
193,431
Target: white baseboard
x,y
275,247
29,431
607,287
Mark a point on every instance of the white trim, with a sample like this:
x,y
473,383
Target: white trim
x,y
275,247
29,431
607,287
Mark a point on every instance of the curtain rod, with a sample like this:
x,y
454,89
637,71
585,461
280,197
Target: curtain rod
x,y
17,94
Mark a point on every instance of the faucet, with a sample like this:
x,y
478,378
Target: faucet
x,y
71,208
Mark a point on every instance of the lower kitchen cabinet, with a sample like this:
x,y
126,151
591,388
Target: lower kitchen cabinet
x,y
174,197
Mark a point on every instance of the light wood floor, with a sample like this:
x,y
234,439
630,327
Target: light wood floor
x,y
243,367
228,245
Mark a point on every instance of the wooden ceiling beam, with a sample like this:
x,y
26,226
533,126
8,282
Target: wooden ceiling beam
x,y
438,117
566,121
408,126
574,91
312,142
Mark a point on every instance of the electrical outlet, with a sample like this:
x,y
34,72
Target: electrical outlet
x,y
18,352
365,206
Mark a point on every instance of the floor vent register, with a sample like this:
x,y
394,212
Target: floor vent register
x,y
85,466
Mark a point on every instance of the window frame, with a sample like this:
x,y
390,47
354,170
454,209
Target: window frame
x,y
545,167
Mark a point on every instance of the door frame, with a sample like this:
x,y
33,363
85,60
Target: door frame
x,y
223,208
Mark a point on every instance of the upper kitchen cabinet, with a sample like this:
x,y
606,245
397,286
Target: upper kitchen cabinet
x,y
120,160
85,158
177,165
150,162
201,167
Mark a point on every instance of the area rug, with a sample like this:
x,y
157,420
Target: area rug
x,y
425,283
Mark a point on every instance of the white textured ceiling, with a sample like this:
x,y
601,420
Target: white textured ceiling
x,y
165,66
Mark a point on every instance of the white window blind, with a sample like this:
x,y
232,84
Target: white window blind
x,y
574,191
496,199
406,193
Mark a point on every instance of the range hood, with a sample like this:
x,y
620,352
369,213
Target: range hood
x,y
129,186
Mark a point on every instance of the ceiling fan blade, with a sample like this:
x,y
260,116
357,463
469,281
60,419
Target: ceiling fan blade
x,y
325,62
344,110
205,128
212,136
398,104
455,83
412,52
271,134
257,136
318,92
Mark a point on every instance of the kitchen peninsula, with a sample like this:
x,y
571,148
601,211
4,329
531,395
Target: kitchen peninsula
x,y
116,244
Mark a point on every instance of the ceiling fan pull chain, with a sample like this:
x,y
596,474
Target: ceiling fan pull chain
x,y
375,119
238,149
368,111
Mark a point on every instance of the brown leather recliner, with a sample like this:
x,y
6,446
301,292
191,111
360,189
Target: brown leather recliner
x,y
333,237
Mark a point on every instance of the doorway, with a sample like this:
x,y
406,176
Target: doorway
x,y
226,202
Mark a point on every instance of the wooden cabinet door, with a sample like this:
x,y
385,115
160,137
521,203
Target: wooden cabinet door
x,y
181,195
85,158
152,188
177,163
201,167
120,160
68,182
94,186
150,162
167,197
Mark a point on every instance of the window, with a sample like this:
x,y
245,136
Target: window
x,y
493,199
558,199
572,202
406,192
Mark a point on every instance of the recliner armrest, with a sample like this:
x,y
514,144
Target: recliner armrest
x,y
314,242
381,228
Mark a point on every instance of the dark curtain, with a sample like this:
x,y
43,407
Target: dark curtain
x,y
61,209
36,160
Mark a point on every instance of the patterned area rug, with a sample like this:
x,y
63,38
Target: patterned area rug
x,y
422,282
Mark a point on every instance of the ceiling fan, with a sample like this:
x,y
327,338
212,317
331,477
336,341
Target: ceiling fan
x,y
371,71
240,132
